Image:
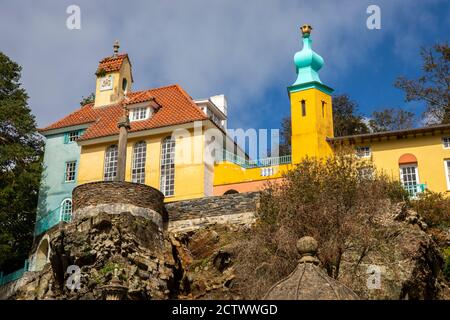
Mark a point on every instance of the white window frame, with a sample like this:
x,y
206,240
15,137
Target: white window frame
x,y
72,136
111,162
446,142
139,114
416,173
69,171
62,209
446,169
367,153
167,167
138,162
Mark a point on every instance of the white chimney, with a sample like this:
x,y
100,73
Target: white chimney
x,y
221,102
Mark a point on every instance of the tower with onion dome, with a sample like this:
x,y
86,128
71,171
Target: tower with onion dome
x,y
311,105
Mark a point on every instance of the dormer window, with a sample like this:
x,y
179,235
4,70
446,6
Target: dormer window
x,y
140,113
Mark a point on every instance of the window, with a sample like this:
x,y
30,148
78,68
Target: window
x,y
72,136
70,171
363,152
303,108
447,172
167,181
66,210
124,85
139,114
409,177
323,108
267,172
138,166
110,170
446,142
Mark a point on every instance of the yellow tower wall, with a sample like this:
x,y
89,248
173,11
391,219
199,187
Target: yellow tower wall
x,y
309,132
106,97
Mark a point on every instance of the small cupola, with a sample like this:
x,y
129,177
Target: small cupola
x,y
114,78
307,62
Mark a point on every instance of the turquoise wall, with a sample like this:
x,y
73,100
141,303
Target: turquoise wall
x,y
53,188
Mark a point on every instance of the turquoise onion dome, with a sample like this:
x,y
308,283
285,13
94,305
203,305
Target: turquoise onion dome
x,y
307,62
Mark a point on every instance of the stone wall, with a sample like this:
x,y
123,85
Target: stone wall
x,y
139,195
187,215
93,198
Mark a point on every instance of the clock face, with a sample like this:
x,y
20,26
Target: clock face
x,y
106,83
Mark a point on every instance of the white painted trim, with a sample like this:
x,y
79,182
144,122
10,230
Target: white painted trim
x,y
442,142
447,179
406,166
209,104
61,207
148,113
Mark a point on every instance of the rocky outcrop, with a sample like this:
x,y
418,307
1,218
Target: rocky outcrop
x,y
403,263
129,245
152,263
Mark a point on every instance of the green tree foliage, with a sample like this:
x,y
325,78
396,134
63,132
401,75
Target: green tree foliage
x,y
20,168
89,99
433,87
346,120
286,132
391,119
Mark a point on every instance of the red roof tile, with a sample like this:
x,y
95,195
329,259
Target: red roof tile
x,y
109,64
176,107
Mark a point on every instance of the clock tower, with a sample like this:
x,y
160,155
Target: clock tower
x,y
114,78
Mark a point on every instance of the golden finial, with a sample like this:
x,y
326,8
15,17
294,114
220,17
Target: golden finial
x,y
306,30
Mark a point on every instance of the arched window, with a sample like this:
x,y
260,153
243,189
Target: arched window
x,y
42,255
124,85
167,180
138,165
110,170
66,210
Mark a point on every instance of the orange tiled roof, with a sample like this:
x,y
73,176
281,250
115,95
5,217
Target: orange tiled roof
x,y
109,64
176,107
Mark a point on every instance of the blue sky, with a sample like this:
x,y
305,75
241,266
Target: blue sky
x,y
243,49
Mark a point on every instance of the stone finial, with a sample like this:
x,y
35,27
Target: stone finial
x,y
308,281
115,290
307,248
116,47
306,30
50,294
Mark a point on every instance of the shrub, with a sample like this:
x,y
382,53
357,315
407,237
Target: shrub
x,y
433,207
447,263
334,200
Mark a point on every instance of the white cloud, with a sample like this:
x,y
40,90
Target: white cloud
x,y
240,48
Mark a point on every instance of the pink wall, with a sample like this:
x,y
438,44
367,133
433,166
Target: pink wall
x,y
243,186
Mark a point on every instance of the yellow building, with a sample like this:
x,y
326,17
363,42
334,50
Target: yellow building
x,y
180,145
